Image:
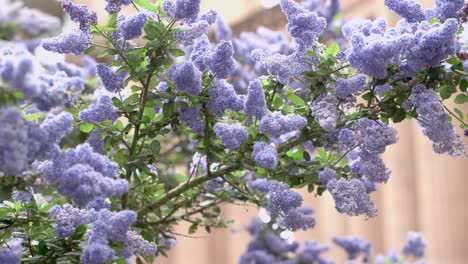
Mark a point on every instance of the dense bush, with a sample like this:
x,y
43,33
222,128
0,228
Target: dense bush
x,y
99,162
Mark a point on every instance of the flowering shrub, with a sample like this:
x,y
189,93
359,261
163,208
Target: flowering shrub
x,y
98,163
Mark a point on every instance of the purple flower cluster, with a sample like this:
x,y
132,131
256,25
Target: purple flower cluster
x,y
136,245
7,256
265,155
100,111
131,26
232,136
276,124
69,218
111,81
434,121
351,197
223,97
223,31
255,105
284,67
312,251
354,247
187,78
446,9
190,32
114,6
80,14
408,9
325,111
415,245
304,26
221,62
181,9
84,175
350,86
75,42
190,116
284,203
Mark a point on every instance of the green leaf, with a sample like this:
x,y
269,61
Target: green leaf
x,y
296,100
463,85
399,116
461,99
459,113
35,116
155,147
177,52
86,127
146,5
332,50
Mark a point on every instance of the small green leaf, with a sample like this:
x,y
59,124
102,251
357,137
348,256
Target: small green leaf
x,y
155,147
332,50
296,100
86,127
463,85
399,116
177,52
145,4
459,113
461,99
34,116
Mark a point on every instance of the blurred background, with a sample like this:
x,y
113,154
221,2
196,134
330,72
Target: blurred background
x,y
426,191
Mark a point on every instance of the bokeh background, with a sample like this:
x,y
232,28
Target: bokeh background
x,y
426,192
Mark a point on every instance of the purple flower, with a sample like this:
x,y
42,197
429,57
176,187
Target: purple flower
x,y
408,9
209,17
7,256
131,26
96,142
113,6
304,26
80,14
190,32
190,116
22,196
415,245
284,67
277,244
201,53
181,9
97,253
222,63
374,135
223,31
448,8
100,111
351,197
325,111
75,42
265,155
223,97
69,218
277,124
350,86
256,103
354,246
312,251
232,136
135,245
327,175
112,82
58,126
187,78
297,218
434,121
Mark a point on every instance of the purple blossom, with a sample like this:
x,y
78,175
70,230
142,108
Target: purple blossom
x,y
190,116
223,31
201,53
100,111
255,106
297,218
209,17
112,82
69,218
347,138
223,97
222,63
190,32
312,251
232,136
354,246
131,26
114,6
181,9
350,86
96,142
351,197
22,196
34,22
277,244
448,8
325,111
97,252
371,167
80,14
277,124
304,26
381,89
434,121
187,78
58,126
409,9
7,256
265,155
75,42
284,67
327,175
136,245
415,245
